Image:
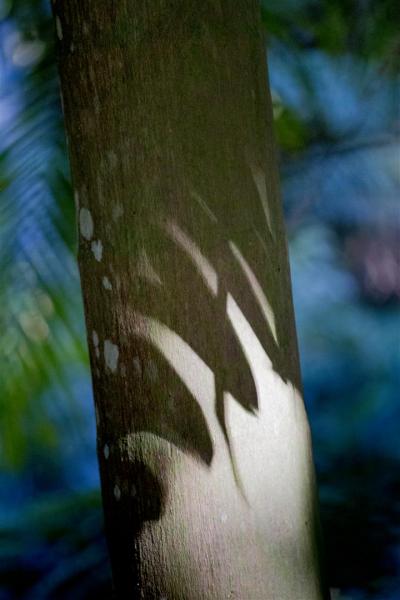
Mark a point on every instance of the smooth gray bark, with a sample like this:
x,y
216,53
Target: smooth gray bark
x,y
203,442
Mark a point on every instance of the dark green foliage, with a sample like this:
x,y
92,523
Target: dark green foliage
x,y
41,317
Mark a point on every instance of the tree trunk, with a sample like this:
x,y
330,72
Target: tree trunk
x,y
203,442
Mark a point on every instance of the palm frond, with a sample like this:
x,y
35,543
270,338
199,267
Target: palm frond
x,y
41,317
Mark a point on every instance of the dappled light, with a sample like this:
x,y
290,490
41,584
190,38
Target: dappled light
x,y
333,71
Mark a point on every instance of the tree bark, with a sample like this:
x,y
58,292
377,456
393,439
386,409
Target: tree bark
x,y
203,442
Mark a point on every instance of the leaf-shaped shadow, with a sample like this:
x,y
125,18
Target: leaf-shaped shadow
x,y
256,283
193,305
195,308
171,411
181,289
187,260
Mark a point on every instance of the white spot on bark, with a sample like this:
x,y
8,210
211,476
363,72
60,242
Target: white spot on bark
x,y
117,212
117,493
224,518
97,249
107,283
106,451
95,338
59,28
111,354
86,223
